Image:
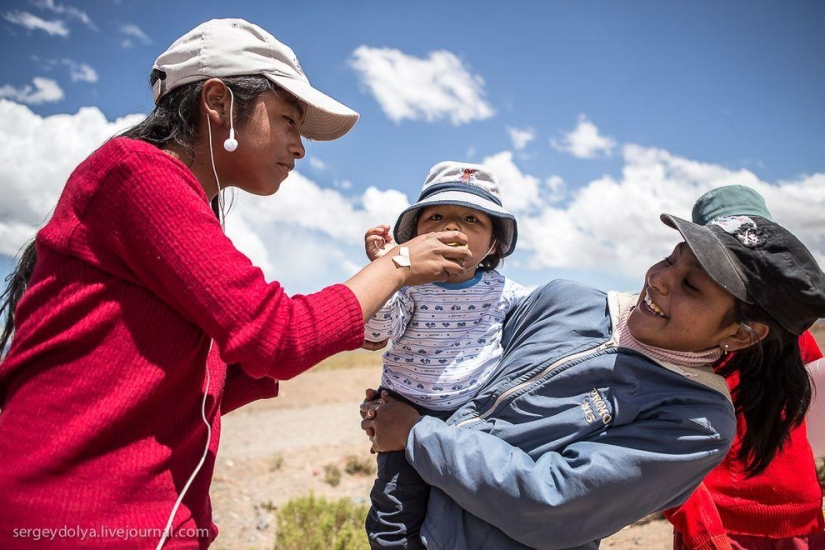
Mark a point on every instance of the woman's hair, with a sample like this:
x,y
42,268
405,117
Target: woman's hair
x,y
174,120
773,392
16,283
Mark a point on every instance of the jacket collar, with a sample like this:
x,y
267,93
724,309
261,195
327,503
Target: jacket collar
x,y
620,302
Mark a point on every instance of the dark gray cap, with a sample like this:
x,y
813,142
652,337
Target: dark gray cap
x,y
759,262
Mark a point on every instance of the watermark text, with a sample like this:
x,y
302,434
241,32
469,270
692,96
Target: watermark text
x,y
104,532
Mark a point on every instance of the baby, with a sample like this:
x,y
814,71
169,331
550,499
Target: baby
x,y
445,337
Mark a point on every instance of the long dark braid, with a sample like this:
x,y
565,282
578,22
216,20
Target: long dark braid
x,y
774,390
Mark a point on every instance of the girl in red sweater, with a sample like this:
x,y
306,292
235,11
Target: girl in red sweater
x,y
141,323
777,506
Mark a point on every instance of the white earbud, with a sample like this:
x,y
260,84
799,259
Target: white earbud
x,y
231,143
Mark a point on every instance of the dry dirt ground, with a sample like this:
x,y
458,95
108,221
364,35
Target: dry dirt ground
x,y
275,450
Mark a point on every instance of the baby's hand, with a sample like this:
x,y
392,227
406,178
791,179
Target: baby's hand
x,y
378,241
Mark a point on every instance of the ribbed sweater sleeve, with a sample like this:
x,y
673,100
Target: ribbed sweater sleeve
x,y
148,219
699,522
241,389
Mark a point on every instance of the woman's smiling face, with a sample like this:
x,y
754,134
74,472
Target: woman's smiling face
x,y
681,308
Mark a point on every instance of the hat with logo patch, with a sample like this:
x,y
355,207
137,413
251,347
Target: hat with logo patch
x,y
729,200
759,262
460,184
234,47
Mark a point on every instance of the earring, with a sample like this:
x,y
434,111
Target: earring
x,y
725,350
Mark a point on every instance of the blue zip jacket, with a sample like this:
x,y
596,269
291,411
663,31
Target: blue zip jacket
x,y
573,439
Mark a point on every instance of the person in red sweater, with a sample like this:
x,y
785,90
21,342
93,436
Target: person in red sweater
x,y
141,324
816,414
778,507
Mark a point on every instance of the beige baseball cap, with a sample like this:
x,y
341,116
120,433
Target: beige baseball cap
x,y
234,47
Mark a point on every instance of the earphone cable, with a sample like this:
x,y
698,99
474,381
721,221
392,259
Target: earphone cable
x,y
167,530
222,215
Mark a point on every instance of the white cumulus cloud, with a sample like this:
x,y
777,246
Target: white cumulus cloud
x,y
32,22
133,33
556,189
613,223
80,71
37,157
63,9
585,141
77,71
308,236
317,163
45,90
521,136
519,191
438,87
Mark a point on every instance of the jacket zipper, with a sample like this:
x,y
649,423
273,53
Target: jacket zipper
x,y
514,389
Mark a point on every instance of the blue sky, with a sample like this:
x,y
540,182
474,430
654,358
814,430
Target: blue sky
x,y
596,116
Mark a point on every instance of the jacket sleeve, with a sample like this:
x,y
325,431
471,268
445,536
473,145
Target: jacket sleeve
x,y
152,221
699,522
587,490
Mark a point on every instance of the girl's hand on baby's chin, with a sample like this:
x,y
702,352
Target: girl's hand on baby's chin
x,y
431,259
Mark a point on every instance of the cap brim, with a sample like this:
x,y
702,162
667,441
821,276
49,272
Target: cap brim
x,y
326,119
712,254
405,226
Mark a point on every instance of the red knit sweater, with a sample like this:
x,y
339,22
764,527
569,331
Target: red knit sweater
x,y
783,501
101,390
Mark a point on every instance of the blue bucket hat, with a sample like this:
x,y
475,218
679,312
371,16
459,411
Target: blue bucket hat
x,y
461,184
